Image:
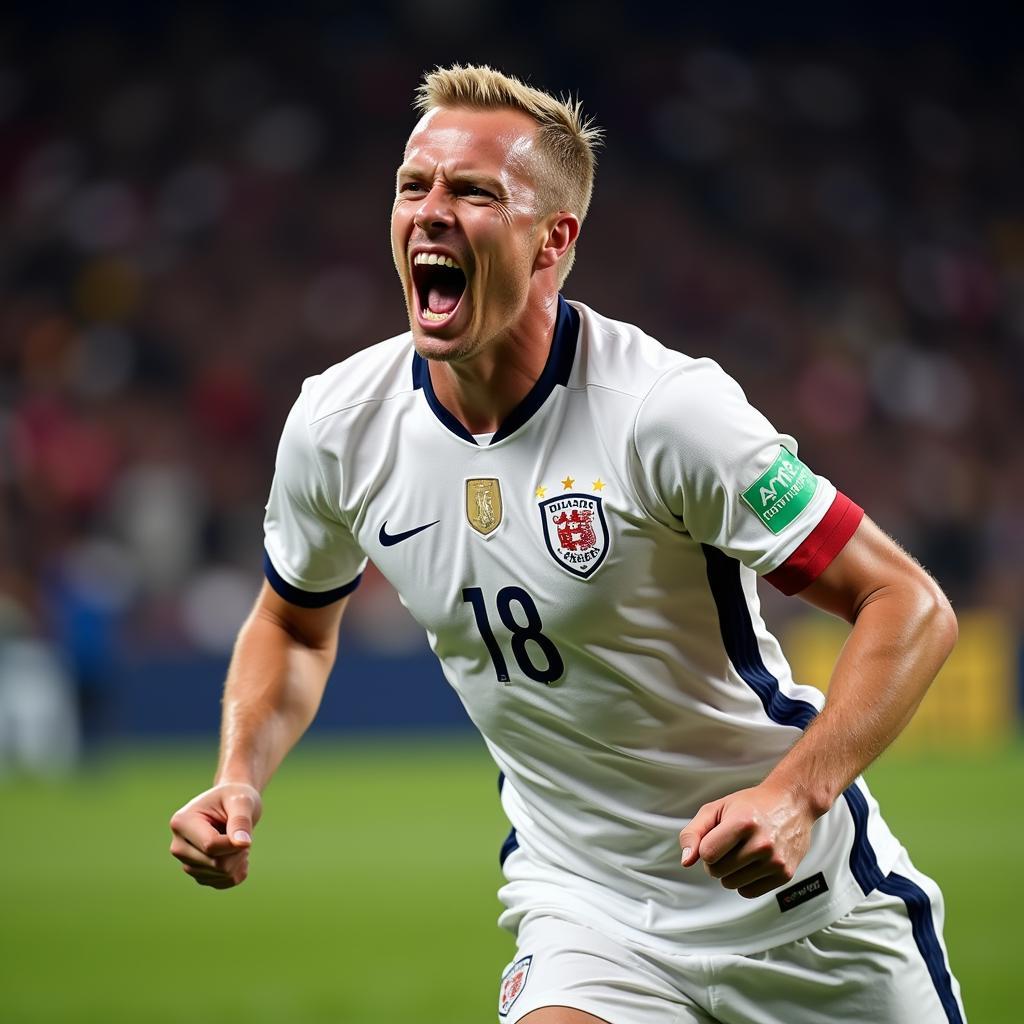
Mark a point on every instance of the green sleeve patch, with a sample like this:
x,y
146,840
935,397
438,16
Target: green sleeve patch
x,y
782,492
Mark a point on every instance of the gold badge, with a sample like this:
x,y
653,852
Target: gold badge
x,y
483,504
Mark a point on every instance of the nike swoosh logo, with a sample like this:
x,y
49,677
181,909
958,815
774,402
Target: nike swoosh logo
x,y
387,539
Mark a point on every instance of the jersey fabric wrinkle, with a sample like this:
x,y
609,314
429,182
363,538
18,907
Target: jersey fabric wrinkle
x,y
622,687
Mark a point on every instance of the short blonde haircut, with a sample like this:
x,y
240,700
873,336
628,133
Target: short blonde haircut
x,y
566,140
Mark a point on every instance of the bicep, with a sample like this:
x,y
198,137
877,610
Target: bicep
x,y
870,565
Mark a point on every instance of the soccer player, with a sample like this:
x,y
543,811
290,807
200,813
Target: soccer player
x,y
577,517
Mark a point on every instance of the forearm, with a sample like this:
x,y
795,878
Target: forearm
x,y
273,689
900,638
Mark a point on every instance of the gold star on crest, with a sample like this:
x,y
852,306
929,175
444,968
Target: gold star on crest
x,y
541,491
568,483
597,485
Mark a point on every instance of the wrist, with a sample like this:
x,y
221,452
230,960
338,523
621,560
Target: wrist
x,y
806,789
220,781
233,774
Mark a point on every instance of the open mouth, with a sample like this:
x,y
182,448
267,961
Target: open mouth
x,y
439,282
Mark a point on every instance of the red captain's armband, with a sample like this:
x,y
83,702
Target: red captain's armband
x,y
818,548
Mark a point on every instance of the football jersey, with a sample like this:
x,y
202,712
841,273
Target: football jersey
x,y
587,579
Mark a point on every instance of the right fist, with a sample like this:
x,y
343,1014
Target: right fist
x,y
213,833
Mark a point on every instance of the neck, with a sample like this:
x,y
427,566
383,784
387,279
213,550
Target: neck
x,y
481,391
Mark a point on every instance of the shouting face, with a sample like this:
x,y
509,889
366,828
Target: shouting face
x,y
465,229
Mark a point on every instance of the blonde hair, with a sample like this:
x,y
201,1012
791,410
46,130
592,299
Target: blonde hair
x,y
566,140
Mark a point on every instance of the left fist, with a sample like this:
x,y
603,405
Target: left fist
x,y
752,841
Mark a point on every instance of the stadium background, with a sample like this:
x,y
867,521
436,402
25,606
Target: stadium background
x,y
195,214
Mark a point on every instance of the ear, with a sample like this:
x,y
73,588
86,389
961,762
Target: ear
x,y
560,231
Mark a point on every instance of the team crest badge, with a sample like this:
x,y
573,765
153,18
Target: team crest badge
x,y
513,981
575,532
483,504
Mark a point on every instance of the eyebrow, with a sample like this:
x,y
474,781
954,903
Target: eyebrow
x,y
471,177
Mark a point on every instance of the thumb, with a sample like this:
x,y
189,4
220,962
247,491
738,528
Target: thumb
x,y
240,809
700,825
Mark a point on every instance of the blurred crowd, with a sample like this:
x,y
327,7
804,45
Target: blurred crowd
x,y
195,218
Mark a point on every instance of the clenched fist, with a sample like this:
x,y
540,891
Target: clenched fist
x,y
213,833
752,841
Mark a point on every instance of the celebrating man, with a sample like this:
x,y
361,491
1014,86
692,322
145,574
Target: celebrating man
x,y
577,517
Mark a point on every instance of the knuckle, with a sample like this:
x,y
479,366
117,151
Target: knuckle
x,y
781,869
746,821
207,847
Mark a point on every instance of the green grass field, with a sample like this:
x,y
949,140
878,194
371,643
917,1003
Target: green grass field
x,y
372,893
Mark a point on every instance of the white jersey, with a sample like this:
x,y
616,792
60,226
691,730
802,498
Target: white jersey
x,y
587,580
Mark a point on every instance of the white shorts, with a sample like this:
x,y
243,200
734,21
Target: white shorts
x,y
884,962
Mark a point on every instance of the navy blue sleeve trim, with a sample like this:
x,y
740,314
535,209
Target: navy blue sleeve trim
x,y
305,598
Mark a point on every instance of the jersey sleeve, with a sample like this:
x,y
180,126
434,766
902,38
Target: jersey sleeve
x,y
310,556
714,467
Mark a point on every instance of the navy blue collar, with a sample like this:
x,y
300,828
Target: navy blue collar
x,y
556,371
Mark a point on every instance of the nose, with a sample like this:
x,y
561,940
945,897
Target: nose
x,y
434,212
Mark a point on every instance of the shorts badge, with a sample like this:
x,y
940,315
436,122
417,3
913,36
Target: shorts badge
x,y
483,504
575,532
513,981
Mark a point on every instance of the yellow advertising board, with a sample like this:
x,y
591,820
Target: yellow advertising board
x,y
973,702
